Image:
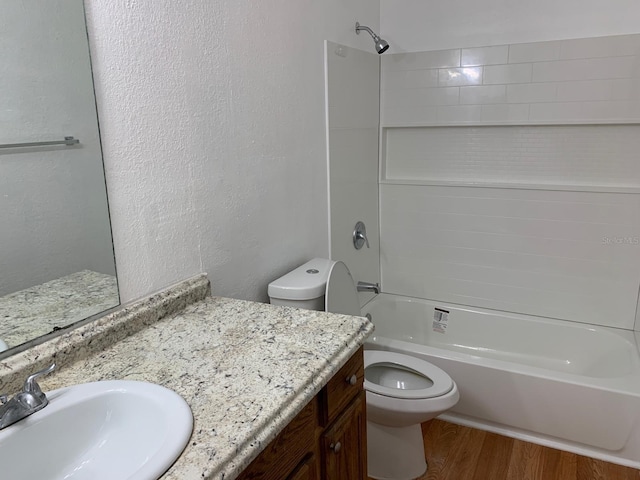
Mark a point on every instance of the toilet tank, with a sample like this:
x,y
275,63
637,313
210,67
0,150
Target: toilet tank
x,y
303,287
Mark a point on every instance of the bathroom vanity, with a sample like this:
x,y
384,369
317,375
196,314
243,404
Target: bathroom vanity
x,y
326,440
275,392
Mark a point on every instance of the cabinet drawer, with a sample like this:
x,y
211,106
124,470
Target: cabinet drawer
x,y
307,470
343,387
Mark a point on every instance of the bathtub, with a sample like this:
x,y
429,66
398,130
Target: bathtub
x,y
566,385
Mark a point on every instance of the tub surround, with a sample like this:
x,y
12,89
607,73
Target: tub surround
x,y
517,164
37,310
246,369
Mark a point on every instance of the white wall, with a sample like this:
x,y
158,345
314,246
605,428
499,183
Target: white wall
x,y
53,211
419,25
353,106
212,118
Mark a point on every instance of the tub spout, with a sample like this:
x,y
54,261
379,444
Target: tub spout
x,y
368,287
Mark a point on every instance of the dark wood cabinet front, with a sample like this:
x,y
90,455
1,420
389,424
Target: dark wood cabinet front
x,y
344,444
327,440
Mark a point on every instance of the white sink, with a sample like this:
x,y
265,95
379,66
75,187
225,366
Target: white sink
x,y
113,430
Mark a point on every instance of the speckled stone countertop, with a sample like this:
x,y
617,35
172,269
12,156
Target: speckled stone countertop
x,y
246,369
37,310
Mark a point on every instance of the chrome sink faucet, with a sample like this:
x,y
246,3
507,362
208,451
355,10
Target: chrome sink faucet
x,y
28,401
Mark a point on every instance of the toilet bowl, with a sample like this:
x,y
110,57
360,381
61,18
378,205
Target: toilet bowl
x,y
401,391
404,390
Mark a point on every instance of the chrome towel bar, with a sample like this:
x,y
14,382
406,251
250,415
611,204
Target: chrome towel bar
x,y
66,141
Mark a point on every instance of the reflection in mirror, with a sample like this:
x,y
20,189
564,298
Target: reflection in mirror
x,y
56,253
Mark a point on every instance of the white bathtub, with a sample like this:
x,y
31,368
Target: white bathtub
x,y
566,385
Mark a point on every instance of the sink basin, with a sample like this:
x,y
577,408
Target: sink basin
x,y
112,430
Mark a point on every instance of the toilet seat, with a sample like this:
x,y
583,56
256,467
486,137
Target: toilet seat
x,y
442,383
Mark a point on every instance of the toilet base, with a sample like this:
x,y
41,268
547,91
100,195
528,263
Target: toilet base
x,y
395,453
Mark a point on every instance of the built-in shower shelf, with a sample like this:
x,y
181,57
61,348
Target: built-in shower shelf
x,y
514,185
574,158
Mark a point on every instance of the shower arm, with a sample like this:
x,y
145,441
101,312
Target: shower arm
x,y
381,44
365,28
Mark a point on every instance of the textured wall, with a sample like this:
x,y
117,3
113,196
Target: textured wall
x,y
212,118
418,25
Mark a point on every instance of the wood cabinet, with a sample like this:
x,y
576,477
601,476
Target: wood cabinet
x,y
327,440
308,469
344,444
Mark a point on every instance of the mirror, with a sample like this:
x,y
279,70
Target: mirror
x,y
56,253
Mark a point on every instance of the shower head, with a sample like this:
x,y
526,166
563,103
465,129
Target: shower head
x,y
381,44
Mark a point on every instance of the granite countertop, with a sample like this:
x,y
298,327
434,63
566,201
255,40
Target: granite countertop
x,y
37,310
246,369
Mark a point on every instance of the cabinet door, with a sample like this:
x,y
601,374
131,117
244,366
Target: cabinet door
x,y
307,470
344,444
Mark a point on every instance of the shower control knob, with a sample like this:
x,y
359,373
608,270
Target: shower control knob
x,y
335,447
360,236
352,380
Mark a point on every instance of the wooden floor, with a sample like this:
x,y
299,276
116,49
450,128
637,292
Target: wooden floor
x,y
460,453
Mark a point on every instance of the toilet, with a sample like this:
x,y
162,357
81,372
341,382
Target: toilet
x,y
402,391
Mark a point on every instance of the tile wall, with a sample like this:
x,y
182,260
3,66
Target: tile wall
x,y
510,178
592,80
566,255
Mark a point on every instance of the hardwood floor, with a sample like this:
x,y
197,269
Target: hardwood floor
x,y
460,453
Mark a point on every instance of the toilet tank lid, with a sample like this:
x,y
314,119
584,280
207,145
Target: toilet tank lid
x,y
304,283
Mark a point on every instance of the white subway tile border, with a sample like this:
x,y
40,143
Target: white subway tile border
x,y
507,74
455,77
581,81
483,94
484,56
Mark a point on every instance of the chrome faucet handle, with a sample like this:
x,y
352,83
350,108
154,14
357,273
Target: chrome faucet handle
x,y
32,387
360,236
25,403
